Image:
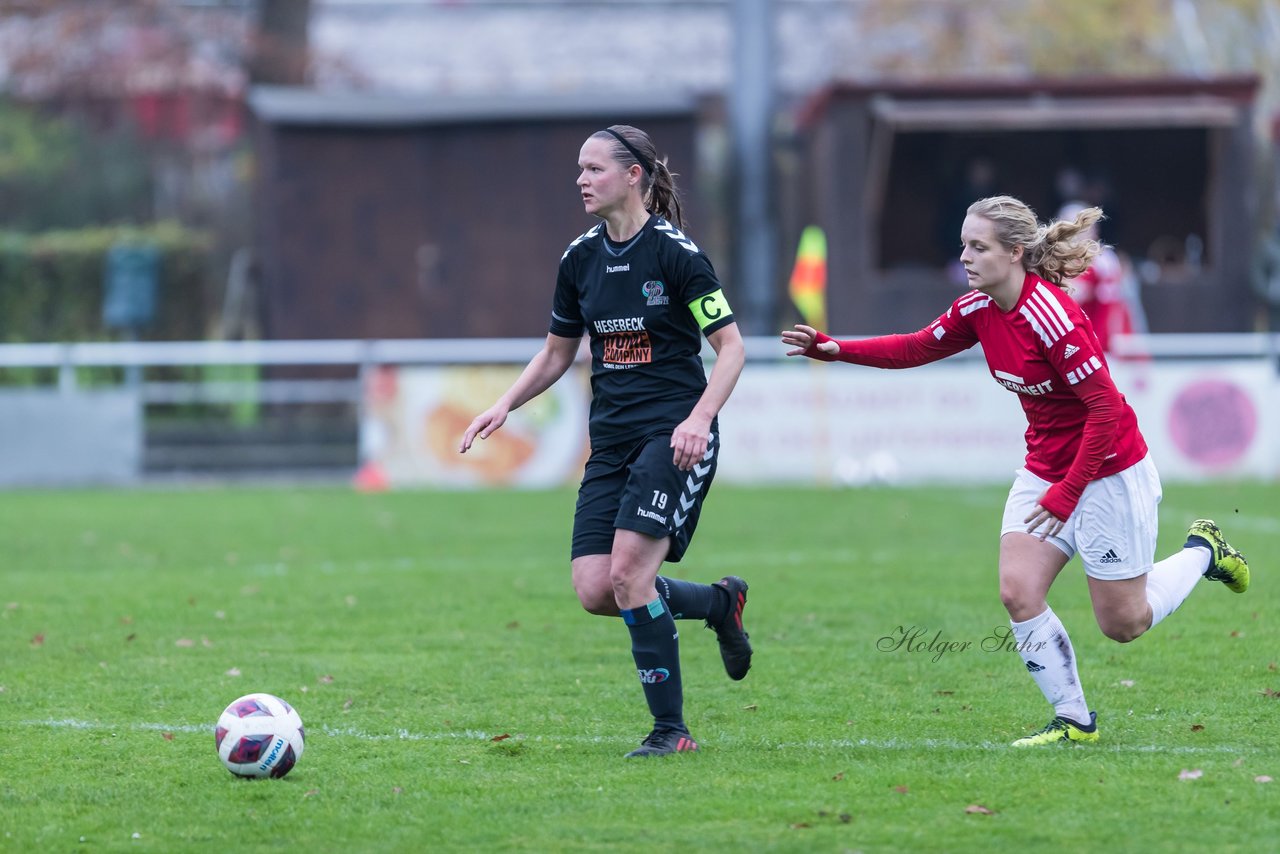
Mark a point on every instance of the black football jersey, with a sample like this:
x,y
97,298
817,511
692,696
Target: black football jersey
x,y
646,304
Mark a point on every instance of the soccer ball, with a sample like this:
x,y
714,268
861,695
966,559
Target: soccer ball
x,y
259,735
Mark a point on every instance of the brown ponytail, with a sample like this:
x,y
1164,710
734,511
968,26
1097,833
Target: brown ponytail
x,y
632,145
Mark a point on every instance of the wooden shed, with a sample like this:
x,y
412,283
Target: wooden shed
x,y
383,216
889,170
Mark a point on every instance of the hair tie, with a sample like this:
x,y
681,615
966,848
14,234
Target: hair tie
x,y
644,164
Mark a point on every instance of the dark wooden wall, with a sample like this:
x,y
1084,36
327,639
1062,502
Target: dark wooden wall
x,y
433,230
887,252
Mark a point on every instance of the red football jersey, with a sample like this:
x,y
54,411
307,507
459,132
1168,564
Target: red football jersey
x,y
1099,291
1045,351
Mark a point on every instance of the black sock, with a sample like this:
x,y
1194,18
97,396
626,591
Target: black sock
x,y
688,600
656,650
1193,541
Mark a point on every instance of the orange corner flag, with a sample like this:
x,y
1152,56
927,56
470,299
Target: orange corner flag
x,y
809,277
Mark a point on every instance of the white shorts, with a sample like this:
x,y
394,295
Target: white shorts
x,y
1113,527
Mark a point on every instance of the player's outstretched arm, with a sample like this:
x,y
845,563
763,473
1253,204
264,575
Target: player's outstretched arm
x,y
802,337
549,365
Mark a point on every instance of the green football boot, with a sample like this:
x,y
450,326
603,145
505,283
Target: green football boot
x,y
1062,729
1226,565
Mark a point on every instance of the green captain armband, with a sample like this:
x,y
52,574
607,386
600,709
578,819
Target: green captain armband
x,y
710,309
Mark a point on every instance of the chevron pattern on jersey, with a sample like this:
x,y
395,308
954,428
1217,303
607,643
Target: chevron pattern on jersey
x,y
693,485
592,232
677,235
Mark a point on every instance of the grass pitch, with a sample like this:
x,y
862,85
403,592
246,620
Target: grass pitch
x,y
457,698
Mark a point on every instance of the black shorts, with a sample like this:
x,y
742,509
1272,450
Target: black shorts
x,y
638,487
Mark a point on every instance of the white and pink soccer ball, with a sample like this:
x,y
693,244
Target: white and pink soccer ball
x,y
259,735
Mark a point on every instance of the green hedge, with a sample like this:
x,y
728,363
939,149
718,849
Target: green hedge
x,y
51,283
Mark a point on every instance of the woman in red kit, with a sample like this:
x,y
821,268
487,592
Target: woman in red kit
x,y
1100,290
1088,484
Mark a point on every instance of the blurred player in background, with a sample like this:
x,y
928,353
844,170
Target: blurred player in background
x,y
1104,291
1088,484
645,294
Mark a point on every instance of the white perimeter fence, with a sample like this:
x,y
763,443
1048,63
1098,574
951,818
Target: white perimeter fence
x,y
1209,406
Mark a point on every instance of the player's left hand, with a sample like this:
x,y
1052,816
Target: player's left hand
x,y
1041,517
689,441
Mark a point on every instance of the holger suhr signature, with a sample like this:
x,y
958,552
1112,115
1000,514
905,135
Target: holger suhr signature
x,y
918,639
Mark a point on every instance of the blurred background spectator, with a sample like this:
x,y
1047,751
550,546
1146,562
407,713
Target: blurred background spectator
x,y
1107,290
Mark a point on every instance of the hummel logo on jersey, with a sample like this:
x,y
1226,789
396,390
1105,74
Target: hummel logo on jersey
x,y
1033,667
1070,351
1109,557
649,514
620,268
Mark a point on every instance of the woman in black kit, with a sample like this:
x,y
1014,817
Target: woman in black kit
x,y
646,294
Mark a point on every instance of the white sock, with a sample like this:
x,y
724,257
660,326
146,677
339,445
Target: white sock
x,y
1171,580
1047,651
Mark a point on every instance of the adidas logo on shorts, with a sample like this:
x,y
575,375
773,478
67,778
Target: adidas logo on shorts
x,y
1033,667
1109,557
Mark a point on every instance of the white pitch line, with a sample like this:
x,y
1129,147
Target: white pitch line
x,y
947,744
890,744
332,732
71,723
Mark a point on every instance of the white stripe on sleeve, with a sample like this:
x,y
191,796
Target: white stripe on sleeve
x,y
1084,370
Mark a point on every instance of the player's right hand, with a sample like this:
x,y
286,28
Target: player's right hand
x,y
803,337
483,426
